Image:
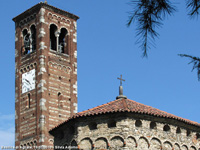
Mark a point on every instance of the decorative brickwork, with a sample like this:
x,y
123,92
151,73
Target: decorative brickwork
x,y
48,97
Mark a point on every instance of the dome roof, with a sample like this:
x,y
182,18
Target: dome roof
x,y
127,105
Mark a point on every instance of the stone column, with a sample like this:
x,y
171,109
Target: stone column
x,y
57,33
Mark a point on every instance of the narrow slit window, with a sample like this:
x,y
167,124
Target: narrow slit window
x,y
60,105
29,101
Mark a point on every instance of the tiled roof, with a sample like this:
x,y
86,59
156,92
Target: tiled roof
x,y
127,105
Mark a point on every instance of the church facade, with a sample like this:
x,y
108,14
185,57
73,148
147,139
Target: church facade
x,y
46,96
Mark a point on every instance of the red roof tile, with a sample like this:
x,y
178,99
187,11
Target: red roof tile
x,y
127,105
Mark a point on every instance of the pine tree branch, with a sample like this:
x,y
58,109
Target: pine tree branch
x,y
196,63
148,15
193,7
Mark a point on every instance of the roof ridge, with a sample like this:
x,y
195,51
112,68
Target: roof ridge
x,y
164,112
99,106
125,104
150,107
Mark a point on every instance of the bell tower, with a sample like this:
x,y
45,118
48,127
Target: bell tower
x,y
45,72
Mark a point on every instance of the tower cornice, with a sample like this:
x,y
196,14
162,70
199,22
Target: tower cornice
x,y
40,5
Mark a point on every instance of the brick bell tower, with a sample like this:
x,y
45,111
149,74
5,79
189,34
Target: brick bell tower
x,y
45,72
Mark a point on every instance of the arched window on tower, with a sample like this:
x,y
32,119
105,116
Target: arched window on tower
x,y
29,101
60,104
26,42
62,48
33,38
53,40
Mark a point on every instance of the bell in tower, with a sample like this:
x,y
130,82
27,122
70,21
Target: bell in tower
x,y
46,72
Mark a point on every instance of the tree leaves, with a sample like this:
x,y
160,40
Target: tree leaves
x,y
193,7
195,61
149,14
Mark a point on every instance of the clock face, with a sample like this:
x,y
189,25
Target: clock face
x,y
28,81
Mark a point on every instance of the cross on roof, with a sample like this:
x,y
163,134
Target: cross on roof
x,y
121,80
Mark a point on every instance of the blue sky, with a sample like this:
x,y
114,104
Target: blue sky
x,y
106,49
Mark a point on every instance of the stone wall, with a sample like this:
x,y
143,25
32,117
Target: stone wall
x,y
129,131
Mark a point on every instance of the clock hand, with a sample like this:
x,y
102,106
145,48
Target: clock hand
x,y
27,81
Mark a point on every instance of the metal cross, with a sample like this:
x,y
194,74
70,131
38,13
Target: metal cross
x,y
121,80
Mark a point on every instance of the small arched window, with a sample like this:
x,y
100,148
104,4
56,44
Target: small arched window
x,y
138,123
59,94
166,128
188,132
152,125
178,130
